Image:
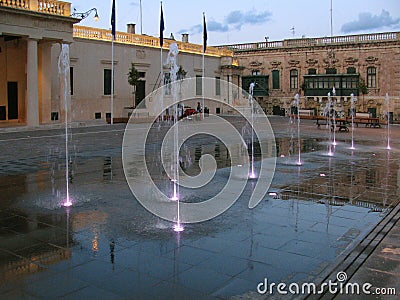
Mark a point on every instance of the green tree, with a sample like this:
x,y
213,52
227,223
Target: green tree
x,y
181,74
133,78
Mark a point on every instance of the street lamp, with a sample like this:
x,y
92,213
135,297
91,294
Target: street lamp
x,y
85,14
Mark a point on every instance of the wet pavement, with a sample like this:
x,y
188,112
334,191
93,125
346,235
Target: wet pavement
x,y
107,246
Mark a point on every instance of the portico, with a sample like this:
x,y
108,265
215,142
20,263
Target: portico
x,y
28,30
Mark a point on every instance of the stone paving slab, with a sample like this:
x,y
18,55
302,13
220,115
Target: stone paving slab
x,y
109,246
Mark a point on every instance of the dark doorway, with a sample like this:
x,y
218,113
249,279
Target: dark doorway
x,y
140,91
372,111
12,94
276,110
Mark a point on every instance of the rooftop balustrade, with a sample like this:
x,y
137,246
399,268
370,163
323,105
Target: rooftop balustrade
x,y
49,7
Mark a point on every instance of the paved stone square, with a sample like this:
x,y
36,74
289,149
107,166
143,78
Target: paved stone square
x,y
107,246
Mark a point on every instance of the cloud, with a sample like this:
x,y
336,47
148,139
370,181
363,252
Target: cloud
x,y
367,21
234,20
134,3
238,18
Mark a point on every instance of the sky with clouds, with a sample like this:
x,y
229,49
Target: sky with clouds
x,y
238,21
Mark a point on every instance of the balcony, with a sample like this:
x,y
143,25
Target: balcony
x,y
322,84
48,7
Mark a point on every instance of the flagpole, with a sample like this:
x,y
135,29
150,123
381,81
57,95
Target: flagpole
x,y
112,60
112,80
161,84
161,60
202,69
202,84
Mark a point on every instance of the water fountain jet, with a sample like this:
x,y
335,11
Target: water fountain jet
x,y
387,100
296,101
352,122
252,174
63,69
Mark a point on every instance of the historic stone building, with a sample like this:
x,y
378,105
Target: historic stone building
x,y
32,32
31,35
366,65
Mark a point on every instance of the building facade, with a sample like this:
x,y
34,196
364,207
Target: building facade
x,y
28,31
31,92
364,65
32,32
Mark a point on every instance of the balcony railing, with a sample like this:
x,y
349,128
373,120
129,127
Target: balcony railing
x,y
49,7
144,40
312,42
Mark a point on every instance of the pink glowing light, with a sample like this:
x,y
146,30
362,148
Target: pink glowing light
x,y
67,203
330,153
178,227
252,175
299,163
322,175
174,198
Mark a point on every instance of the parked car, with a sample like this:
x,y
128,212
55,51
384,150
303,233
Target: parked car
x,y
189,111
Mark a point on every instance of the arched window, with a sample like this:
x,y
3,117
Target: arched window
x,y
371,77
294,75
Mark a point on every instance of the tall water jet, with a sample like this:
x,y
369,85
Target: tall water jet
x,y
387,100
327,113
334,116
252,174
296,102
63,69
171,61
352,121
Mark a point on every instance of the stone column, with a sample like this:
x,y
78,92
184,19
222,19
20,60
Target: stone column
x,y
32,101
45,82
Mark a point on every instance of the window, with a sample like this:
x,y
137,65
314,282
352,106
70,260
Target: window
x,y
217,86
97,115
275,79
331,71
199,83
255,72
371,77
71,80
312,71
142,74
293,79
260,89
351,70
107,81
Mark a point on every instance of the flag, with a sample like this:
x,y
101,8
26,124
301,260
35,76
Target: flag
x,y
204,34
161,27
113,19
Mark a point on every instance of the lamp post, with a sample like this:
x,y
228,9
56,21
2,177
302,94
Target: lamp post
x,y
84,15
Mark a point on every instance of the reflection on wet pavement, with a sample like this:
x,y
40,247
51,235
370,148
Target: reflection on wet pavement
x,y
108,246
